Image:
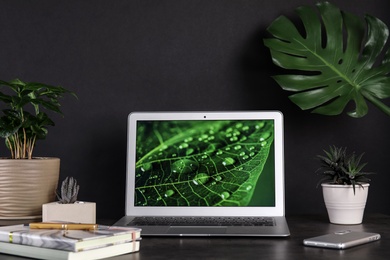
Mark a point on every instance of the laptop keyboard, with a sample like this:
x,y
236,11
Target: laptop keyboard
x,y
202,221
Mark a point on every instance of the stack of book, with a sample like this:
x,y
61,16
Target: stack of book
x,y
69,244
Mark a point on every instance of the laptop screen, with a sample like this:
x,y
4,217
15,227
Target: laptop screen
x,y
212,161
204,163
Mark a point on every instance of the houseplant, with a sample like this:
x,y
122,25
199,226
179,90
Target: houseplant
x,y
335,66
68,208
344,185
334,58
26,182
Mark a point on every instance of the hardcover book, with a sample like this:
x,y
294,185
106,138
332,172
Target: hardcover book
x,y
69,240
55,254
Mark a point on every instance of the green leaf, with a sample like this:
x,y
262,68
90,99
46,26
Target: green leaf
x,y
53,106
5,98
8,126
203,163
37,125
333,60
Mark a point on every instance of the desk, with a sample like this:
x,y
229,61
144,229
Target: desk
x,y
266,248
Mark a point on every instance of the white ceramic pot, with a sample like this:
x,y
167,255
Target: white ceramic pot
x,y
343,206
78,212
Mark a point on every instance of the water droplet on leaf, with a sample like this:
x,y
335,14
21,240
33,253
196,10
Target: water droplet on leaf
x,y
234,138
211,148
265,136
225,195
169,193
260,125
201,178
189,151
163,147
228,161
184,166
189,139
183,145
146,167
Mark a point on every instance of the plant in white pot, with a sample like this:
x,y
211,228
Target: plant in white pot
x,y
68,208
26,182
333,59
344,185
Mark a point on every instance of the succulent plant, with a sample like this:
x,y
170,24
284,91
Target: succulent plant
x,y
338,167
69,191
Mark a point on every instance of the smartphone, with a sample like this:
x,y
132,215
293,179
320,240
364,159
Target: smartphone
x,y
342,239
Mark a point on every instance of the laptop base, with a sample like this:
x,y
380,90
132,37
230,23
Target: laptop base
x,y
279,229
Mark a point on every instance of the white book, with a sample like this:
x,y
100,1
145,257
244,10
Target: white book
x,y
55,254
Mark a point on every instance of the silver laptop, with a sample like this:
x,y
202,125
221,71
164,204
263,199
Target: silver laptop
x,y
206,174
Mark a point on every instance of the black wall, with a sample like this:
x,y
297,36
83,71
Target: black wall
x,y
122,56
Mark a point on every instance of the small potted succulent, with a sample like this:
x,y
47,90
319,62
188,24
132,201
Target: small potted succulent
x,y
24,121
68,208
344,185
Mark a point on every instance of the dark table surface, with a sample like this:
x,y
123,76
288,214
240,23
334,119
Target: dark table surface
x,y
301,227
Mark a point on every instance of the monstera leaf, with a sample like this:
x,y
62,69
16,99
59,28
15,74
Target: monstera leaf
x,y
200,163
336,61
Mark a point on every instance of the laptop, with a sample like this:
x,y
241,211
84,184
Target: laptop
x,y
205,174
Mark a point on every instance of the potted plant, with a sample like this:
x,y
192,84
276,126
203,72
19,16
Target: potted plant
x,y
26,182
344,185
336,58
68,208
